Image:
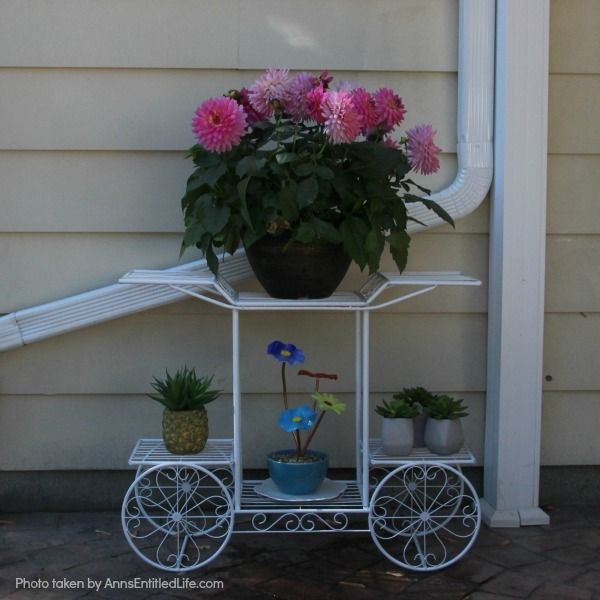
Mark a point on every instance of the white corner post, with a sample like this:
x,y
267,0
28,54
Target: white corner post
x,y
517,262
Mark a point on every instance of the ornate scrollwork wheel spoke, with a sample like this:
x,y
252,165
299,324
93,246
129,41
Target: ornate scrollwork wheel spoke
x,y
431,526
177,516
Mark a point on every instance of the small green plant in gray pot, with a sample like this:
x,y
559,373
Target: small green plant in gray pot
x,y
185,421
397,429
419,397
443,432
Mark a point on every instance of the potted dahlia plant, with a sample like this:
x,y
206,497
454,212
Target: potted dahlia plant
x,y
300,470
308,176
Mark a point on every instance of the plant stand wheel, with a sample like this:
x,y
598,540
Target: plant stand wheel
x,y
177,516
424,516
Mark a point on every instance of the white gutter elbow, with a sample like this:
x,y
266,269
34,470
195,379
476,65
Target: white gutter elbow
x,y
475,117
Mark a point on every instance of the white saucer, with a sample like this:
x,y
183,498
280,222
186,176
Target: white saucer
x,y
328,490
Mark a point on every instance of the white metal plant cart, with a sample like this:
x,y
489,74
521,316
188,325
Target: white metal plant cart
x,y
180,511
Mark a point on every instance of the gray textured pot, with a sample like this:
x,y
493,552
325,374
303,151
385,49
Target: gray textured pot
x,y
397,436
444,436
419,423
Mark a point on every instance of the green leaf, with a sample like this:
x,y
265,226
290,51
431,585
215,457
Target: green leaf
x,y
211,260
374,160
286,157
399,242
374,244
242,187
232,240
304,169
215,216
287,202
305,233
399,213
325,172
354,232
203,158
410,182
308,190
326,230
431,205
249,165
193,234
416,221
206,176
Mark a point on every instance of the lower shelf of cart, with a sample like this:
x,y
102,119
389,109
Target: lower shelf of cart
x,y
348,500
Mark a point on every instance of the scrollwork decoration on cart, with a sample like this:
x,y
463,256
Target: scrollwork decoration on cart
x,y
178,517
424,516
299,522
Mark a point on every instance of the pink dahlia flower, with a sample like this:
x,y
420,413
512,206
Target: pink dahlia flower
x,y
389,107
219,124
296,103
314,100
342,121
252,115
388,142
422,152
365,106
325,78
270,91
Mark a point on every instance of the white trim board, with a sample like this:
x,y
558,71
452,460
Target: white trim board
x,y
516,272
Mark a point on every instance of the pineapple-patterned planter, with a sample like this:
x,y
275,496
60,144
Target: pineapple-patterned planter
x,y
185,431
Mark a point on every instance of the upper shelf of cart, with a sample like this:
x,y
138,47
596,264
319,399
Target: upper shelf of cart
x,y
217,290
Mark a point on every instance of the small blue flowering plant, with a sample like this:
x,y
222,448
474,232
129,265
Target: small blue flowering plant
x,y
304,417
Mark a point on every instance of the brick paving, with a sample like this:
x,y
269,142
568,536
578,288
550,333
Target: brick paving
x,y
557,562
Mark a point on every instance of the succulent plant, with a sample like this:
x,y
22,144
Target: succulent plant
x,y
184,390
418,396
398,408
185,422
446,407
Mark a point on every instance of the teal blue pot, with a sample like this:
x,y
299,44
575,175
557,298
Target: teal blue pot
x,y
297,478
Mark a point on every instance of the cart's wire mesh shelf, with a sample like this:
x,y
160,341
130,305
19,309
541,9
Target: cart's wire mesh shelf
x,y
252,501
378,457
217,452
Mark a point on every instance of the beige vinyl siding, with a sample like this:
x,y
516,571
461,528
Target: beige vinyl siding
x,y
571,401
95,112
150,109
410,35
573,188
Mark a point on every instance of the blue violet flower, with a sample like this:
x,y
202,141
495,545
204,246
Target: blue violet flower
x,y
302,417
285,352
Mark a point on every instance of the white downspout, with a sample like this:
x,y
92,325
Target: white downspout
x,y
475,107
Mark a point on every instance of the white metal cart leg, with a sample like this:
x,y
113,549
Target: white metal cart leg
x,y
177,516
424,516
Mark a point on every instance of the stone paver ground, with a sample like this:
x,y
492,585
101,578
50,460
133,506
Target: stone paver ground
x,y
52,550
